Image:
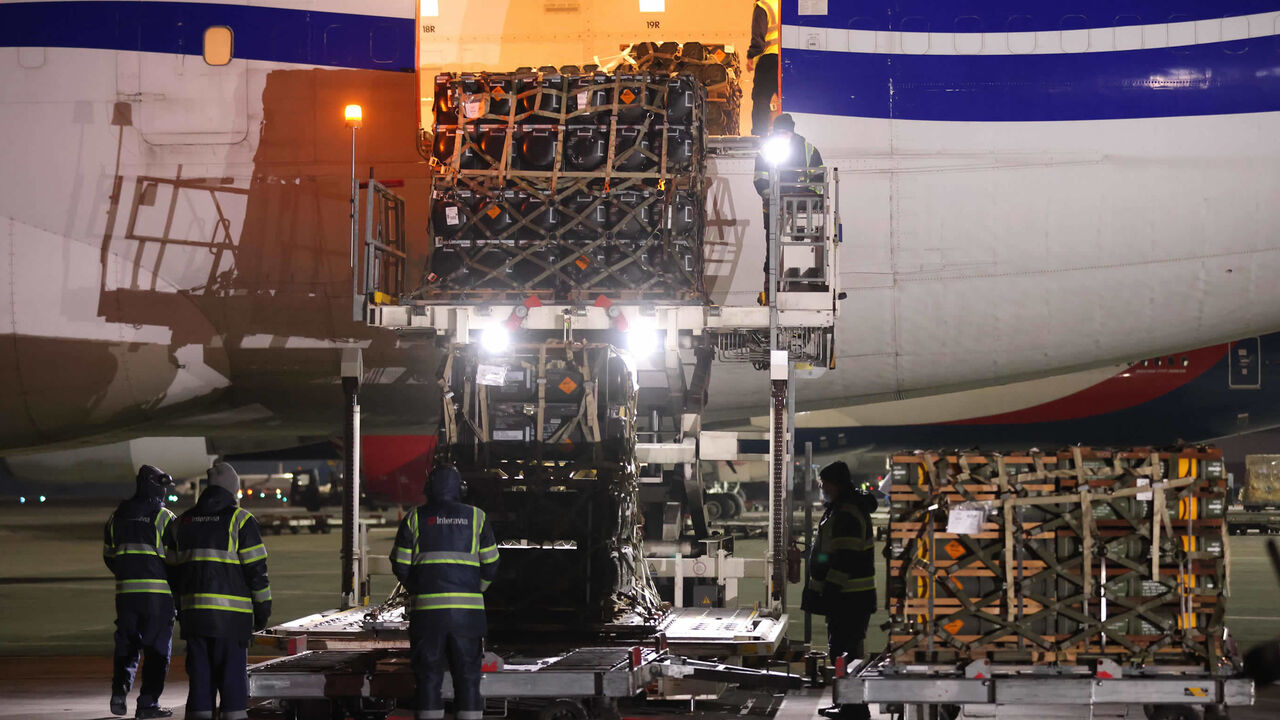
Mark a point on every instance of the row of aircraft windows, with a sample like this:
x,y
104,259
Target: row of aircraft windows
x,y
339,41
970,35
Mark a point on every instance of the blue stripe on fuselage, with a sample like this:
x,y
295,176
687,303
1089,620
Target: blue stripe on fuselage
x,y
1015,15
1240,76
260,33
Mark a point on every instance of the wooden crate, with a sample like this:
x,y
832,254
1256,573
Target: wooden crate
x,y
1079,554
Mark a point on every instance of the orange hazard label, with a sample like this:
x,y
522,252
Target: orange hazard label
x,y
493,211
954,626
497,92
627,96
567,386
954,548
582,262
719,55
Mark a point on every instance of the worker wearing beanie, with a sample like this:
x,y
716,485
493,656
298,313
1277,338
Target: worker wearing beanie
x,y
133,550
445,555
219,576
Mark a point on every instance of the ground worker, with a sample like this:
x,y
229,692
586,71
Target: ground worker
x,y
790,154
219,575
762,58
133,549
842,583
445,556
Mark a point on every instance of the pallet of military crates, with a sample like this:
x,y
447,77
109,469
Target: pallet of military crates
x,y
1066,557
543,438
566,184
715,66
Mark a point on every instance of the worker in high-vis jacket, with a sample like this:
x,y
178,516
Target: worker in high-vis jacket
x,y
787,153
762,58
445,556
219,575
133,549
842,583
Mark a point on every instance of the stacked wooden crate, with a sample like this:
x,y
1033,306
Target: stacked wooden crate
x,y
567,183
1066,556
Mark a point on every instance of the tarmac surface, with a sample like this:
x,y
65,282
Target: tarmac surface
x,y
58,613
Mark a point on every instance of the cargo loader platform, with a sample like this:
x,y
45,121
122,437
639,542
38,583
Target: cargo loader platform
x,y
695,632
992,690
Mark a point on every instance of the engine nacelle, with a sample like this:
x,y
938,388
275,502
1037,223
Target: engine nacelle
x,y
181,457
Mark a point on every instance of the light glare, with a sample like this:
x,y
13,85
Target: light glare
x,y
354,116
776,150
495,339
642,338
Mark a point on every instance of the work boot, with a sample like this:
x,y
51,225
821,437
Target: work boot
x,y
117,705
155,711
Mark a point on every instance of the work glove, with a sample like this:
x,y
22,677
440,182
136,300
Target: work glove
x,y
260,617
811,601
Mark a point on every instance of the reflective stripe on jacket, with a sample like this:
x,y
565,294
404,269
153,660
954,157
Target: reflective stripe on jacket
x,y
789,171
133,548
446,556
219,567
843,556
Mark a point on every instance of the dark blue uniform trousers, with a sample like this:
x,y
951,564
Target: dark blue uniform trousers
x,y
433,649
217,666
149,634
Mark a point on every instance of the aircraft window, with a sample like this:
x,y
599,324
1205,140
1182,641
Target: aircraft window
x,y
1075,36
1021,38
862,42
915,38
1185,361
824,442
1182,33
968,35
218,45
1128,32
1235,28
1209,31
382,44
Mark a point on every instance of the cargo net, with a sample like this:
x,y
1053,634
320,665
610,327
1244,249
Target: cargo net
x,y
1064,557
567,185
715,66
544,437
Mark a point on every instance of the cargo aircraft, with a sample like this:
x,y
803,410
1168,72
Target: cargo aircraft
x,y
1033,195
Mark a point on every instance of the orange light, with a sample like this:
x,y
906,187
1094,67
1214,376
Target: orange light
x,y
354,115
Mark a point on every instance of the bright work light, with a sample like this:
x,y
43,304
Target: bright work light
x,y
353,114
495,339
776,149
642,337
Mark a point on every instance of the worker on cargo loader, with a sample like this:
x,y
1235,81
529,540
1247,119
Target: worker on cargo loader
x,y
219,576
791,155
842,583
445,556
762,58
133,550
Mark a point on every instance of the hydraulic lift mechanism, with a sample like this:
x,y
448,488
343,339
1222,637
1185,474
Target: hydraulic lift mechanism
x,y
794,331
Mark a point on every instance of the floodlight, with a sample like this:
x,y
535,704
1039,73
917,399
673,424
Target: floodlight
x,y
354,116
642,338
776,150
495,339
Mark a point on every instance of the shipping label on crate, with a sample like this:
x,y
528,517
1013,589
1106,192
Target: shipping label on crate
x,y
966,518
494,375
